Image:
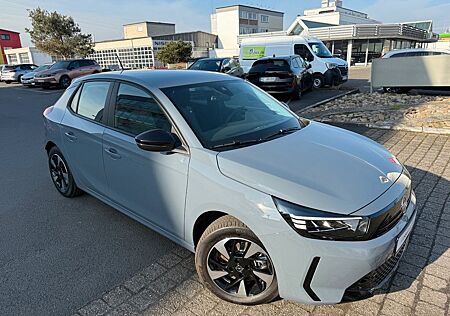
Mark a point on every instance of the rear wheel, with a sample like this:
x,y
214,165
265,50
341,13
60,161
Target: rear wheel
x,y
234,265
7,81
318,81
64,82
297,94
60,173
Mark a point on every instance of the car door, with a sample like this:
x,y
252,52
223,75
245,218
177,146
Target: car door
x,y
307,77
151,185
82,130
75,69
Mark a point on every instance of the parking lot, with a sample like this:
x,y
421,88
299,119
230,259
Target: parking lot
x,y
80,256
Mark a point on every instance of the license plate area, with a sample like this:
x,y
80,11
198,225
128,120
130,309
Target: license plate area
x,y
268,79
403,237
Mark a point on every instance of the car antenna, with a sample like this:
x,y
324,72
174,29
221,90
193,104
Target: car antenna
x,y
120,63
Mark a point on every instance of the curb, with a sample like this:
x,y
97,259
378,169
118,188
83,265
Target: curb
x,y
428,130
328,100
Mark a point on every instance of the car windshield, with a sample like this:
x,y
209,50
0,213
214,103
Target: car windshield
x,y
231,113
209,65
41,68
60,65
270,65
320,50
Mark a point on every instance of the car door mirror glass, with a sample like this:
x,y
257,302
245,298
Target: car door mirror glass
x,y
157,140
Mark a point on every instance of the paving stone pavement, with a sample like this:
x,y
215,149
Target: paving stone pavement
x,y
421,285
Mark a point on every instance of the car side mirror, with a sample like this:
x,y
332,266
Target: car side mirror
x,y
156,140
308,66
226,69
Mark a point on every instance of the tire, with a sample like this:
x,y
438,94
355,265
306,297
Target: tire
x,y
60,174
318,81
64,82
19,79
7,82
252,278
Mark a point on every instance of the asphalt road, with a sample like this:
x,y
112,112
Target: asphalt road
x,y
56,254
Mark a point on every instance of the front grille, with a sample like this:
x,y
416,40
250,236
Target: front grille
x,y
374,280
385,220
344,70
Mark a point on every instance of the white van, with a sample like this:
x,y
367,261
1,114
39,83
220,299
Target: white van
x,y
328,70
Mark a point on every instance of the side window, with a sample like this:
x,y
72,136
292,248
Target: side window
x,y
303,51
74,65
294,63
136,111
85,63
92,100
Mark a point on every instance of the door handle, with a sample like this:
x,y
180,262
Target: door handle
x,y
113,153
71,136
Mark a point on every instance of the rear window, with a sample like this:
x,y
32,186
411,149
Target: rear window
x,y
9,67
270,65
206,64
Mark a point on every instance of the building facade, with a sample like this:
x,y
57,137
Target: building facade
x,y
8,40
231,21
139,47
355,37
27,55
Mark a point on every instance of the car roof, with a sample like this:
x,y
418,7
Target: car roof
x,y
161,78
412,50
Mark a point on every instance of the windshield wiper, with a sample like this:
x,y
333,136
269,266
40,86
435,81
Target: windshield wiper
x,y
238,143
283,132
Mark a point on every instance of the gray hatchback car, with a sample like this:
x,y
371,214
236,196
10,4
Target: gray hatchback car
x,y
271,204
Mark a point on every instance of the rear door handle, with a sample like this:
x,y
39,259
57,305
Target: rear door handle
x,y
71,136
113,153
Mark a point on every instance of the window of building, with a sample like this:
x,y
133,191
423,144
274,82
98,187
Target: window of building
x,y
92,100
12,59
136,111
252,16
24,58
264,18
243,14
5,37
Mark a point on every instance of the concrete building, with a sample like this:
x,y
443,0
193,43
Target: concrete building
x,y
147,29
8,40
27,55
141,42
230,21
354,36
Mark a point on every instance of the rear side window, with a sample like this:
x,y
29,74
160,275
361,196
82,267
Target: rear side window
x,y
92,100
270,65
136,111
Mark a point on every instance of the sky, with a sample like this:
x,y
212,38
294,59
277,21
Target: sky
x,y
104,19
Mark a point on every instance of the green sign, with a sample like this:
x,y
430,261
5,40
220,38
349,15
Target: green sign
x,y
254,52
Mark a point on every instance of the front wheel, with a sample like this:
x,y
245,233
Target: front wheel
x,y
318,81
233,264
64,82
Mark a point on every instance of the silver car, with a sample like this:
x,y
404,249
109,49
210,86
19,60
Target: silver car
x,y
271,204
12,73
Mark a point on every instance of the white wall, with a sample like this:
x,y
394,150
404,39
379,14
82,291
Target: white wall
x,y
439,45
39,58
228,29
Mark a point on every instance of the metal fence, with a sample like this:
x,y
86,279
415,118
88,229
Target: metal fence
x,y
408,72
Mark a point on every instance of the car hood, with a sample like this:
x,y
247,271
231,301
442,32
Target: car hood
x,y
335,60
320,167
29,75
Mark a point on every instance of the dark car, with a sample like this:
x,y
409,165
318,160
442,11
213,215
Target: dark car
x,y
283,75
226,65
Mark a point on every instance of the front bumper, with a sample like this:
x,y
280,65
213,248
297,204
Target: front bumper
x,y
45,82
329,272
28,82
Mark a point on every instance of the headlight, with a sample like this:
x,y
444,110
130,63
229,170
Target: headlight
x,y
322,225
330,65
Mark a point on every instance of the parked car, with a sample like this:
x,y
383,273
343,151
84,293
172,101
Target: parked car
x,y
414,52
327,69
271,204
227,65
62,72
1,69
28,78
12,73
283,75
